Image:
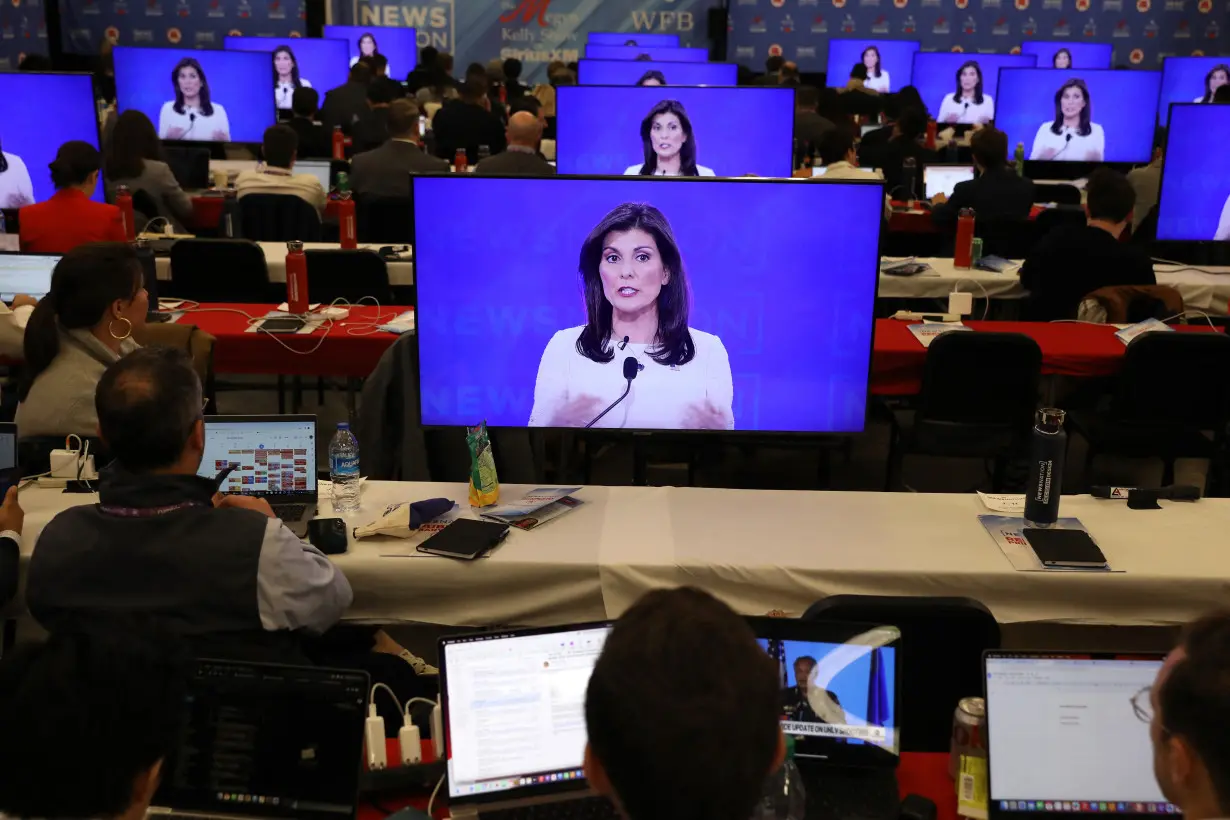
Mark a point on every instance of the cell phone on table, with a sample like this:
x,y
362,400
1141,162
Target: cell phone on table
x,y
288,324
1065,549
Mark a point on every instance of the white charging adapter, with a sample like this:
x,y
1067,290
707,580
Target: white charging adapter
x,y
411,743
437,731
373,733
961,303
333,312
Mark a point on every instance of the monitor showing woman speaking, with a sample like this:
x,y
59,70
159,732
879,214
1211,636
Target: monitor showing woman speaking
x,y
888,62
28,144
298,63
1067,54
1195,195
1191,80
962,88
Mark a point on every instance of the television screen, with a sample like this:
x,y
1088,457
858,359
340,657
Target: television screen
x,y
889,62
962,88
65,103
1079,116
630,38
318,64
664,54
1195,196
634,290
398,45
1064,54
199,96
603,129
1191,79
642,72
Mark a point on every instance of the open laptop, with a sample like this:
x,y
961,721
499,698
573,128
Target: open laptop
x,y
265,741
318,168
28,273
1063,736
276,458
941,179
514,716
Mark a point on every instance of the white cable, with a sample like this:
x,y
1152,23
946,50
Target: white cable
x,y
1187,313
372,697
409,703
986,296
431,801
1184,266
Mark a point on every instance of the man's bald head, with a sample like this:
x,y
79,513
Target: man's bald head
x,y
524,129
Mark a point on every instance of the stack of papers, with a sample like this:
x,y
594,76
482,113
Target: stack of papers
x,y
926,332
1140,328
536,507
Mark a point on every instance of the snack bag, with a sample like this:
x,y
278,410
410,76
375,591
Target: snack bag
x,y
484,486
405,519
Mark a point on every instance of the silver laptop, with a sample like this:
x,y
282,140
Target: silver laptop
x,y
264,741
274,458
28,273
514,717
941,179
318,168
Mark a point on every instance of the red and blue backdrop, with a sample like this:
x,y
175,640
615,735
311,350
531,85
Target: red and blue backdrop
x,y
23,30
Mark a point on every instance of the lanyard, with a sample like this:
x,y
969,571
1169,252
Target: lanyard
x,y
147,512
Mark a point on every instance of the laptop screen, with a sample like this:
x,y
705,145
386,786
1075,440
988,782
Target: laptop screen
x,y
275,454
514,706
941,179
25,273
317,168
268,741
1062,735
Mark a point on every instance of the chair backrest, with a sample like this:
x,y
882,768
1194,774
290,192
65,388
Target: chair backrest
x,y
189,165
219,270
349,275
1061,216
942,641
1146,232
1172,380
1009,238
1060,194
1133,303
198,344
385,219
277,218
981,378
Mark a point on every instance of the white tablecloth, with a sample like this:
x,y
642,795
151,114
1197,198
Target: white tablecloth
x,y
762,550
400,273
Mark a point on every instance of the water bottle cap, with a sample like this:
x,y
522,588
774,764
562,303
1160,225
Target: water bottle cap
x,y
1050,419
294,246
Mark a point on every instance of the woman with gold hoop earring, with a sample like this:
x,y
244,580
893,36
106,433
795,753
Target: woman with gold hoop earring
x,y
86,322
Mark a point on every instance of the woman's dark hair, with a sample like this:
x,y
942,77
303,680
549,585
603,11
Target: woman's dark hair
x,y
1208,80
652,74
673,343
977,89
74,163
875,70
687,152
294,66
133,141
908,97
188,62
1055,58
84,284
1086,113
367,35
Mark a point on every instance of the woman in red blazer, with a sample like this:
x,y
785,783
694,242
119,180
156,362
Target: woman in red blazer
x,y
70,218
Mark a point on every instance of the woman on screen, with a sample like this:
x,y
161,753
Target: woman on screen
x,y
968,105
652,77
877,76
636,304
1072,135
1223,224
368,48
286,76
1215,79
16,189
1062,59
668,143
191,115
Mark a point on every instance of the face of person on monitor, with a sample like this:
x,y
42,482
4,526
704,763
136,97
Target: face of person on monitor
x,y
636,300
877,75
1218,76
652,78
368,47
16,187
968,105
806,702
668,144
192,115
286,77
1062,59
1072,136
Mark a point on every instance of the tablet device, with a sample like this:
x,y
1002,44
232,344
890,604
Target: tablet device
x,y
466,539
1065,548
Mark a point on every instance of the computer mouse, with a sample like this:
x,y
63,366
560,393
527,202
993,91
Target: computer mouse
x,y
328,535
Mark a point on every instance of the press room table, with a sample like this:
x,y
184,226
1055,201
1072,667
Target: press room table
x,y
760,550
917,220
400,273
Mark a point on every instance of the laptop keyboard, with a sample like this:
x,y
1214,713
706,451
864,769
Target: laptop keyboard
x,y
289,512
585,808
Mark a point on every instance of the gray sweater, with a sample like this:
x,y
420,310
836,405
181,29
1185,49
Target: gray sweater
x,y
159,182
61,400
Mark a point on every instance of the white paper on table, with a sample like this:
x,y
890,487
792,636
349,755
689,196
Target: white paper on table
x,y
926,332
1006,531
1149,325
1003,503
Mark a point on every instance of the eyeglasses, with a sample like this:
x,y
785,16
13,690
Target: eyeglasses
x,y
1142,706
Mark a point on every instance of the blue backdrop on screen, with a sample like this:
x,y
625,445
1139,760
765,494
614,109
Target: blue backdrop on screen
x,y
619,38
187,23
322,63
628,72
598,128
23,30
896,62
850,685
398,45
65,106
935,74
1189,79
1084,55
659,53
796,325
143,81
1123,107
1195,199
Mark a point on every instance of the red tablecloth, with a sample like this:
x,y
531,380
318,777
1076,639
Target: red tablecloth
x,y
920,221
207,212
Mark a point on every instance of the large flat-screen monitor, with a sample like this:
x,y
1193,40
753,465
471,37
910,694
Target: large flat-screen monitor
x,y
199,96
692,295
631,38
398,45
1079,116
1064,54
319,64
66,111
648,72
889,62
663,54
961,89
630,130
1195,196
1191,79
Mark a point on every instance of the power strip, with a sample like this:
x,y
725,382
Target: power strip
x,y
911,316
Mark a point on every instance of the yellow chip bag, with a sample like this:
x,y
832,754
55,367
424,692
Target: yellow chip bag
x,y
484,485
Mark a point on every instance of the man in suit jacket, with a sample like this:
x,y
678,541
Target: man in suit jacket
x,y
468,123
809,126
385,170
891,156
345,104
371,130
997,193
521,158
314,141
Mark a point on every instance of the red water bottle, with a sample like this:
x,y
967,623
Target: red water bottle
x,y
459,160
339,143
503,94
123,200
963,251
296,278
931,128
347,222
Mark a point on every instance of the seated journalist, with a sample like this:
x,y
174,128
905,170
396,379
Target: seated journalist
x,y
997,193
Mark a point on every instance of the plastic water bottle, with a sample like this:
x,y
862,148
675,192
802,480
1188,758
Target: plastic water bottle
x,y
344,469
784,796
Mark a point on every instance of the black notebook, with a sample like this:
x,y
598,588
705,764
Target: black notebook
x,y
465,538
1065,549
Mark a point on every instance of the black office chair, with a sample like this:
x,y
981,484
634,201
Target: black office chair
x,y
942,641
347,274
189,165
277,218
979,392
1061,216
1060,194
144,207
1146,232
218,270
385,219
